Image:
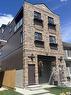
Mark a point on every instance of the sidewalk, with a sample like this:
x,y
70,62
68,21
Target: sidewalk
x,y
2,89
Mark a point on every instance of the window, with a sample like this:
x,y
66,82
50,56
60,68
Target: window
x,y
52,39
53,44
38,40
21,22
50,20
70,69
38,36
51,24
69,53
21,37
18,25
37,15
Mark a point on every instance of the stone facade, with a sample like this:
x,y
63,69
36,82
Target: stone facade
x,y
29,46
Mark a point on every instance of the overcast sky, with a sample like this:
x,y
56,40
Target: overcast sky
x,y
9,8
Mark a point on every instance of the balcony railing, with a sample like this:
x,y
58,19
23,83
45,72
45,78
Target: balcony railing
x,y
38,21
39,43
53,46
52,26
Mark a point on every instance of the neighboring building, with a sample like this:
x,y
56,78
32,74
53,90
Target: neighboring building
x,y
67,57
34,52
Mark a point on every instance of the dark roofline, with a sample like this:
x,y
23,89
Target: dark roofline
x,y
18,12
66,45
14,16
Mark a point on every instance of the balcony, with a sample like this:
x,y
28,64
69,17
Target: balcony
x,y
53,46
38,23
2,43
39,43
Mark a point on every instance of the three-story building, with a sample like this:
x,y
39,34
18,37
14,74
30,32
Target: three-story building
x,y
33,53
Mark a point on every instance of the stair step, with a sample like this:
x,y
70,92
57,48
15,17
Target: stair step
x,y
34,87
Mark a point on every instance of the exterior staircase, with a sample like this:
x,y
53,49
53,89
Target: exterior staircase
x,y
35,90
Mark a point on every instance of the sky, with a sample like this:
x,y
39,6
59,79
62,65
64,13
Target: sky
x,y
9,8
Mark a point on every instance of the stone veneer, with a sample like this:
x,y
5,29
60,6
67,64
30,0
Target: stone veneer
x,y
29,46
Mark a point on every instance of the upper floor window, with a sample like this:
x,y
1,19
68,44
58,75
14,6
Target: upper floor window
x,y
52,39
18,25
69,53
21,37
38,40
50,20
38,36
53,44
37,15
51,24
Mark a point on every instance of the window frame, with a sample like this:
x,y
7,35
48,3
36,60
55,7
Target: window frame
x,y
38,36
53,40
50,20
37,15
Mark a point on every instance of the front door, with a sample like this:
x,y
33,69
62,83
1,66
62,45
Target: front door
x,y
45,68
31,74
45,72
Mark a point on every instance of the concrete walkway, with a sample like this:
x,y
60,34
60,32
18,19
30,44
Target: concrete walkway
x,y
35,90
2,89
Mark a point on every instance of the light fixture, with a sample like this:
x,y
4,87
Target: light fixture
x,y
31,56
61,58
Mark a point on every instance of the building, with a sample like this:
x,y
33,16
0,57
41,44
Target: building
x,y
32,52
67,57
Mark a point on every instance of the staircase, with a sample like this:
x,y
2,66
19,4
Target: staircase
x,y
35,90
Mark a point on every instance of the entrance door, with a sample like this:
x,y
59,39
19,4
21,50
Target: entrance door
x,y
45,68
31,74
45,72
1,78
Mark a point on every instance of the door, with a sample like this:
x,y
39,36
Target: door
x,y
31,74
1,78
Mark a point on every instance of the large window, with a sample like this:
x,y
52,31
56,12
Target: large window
x,y
50,20
38,36
38,40
53,44
52,39
51,24
37,15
